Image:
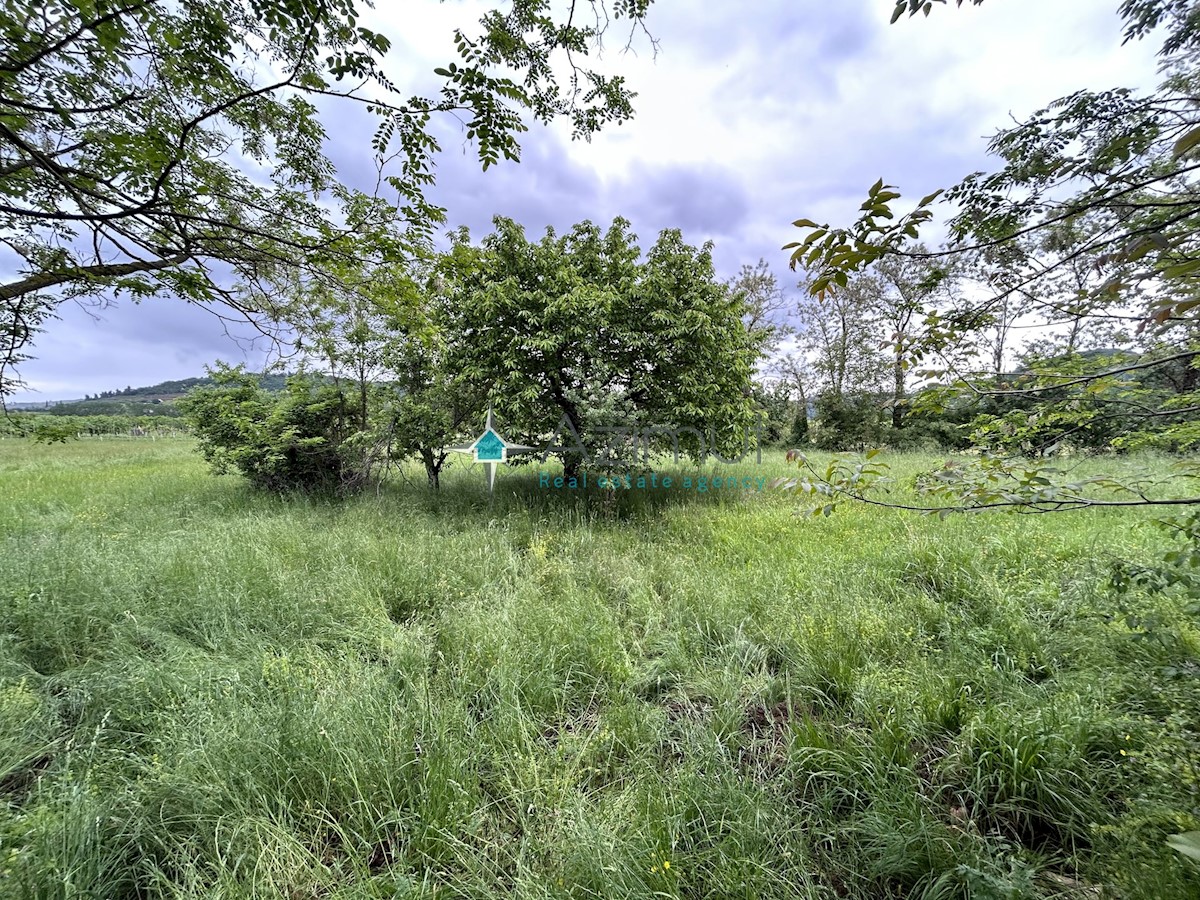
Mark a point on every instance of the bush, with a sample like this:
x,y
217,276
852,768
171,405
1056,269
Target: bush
x,y
297,439
847,422
55,432
927,434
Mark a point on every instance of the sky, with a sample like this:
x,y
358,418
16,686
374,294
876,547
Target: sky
x,y
748,116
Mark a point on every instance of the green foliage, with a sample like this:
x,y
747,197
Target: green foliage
x,y
296,440
848,422
764,303
1188,844
912,7
777,414
1178,572
47,432
433,408
580,329
841,332
31,424
1087,228
798,434
115,408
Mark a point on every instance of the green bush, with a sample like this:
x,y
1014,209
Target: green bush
x,y
55,432
297,439
798,434
847,422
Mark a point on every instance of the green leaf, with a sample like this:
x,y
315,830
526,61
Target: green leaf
x,y
1187,843
1138,249
805,223
1181,269
1186,143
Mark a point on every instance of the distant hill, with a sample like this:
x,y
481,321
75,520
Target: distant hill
x,y
152,400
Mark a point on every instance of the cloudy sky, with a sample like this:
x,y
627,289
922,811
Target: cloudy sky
x,y
748,116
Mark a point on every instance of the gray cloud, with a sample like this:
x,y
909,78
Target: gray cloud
x,y
88,350
706,200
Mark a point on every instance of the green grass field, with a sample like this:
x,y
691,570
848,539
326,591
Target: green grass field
x,y
210,693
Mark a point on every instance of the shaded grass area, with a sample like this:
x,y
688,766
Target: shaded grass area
x,y
210,693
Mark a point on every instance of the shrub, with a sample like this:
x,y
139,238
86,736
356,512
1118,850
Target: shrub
x,y
55,432
847,422
798,434
296,439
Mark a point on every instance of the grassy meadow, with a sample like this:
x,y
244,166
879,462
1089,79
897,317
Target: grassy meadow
x,y
210,693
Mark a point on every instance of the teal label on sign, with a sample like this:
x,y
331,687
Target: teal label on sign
x,y
489,448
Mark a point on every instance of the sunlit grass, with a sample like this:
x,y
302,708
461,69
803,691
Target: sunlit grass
x,y
206,692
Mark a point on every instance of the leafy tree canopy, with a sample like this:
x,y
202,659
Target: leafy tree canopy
x,y
580,327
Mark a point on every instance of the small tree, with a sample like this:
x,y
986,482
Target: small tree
x,y
765,305
798,433
910,287
848,421
841,333
575,335
432,408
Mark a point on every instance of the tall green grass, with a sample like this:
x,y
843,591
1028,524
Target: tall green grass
x,y
206,692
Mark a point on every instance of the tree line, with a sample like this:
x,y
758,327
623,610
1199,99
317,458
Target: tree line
x,y
125,128
61,428
902,356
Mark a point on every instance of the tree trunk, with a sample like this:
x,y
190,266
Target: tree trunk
x,y
572,465
433,467
572,461
362,398
898,394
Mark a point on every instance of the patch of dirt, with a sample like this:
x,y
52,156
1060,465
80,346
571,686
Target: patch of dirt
x,y
19,783
554,733
767,730
925,762
681,712
687,709
762,721
382,856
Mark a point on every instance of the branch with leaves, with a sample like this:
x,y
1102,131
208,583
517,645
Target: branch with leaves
x,y
128,132
1087,231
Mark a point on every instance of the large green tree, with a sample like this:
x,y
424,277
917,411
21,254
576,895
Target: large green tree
x,y
578,335
131,135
